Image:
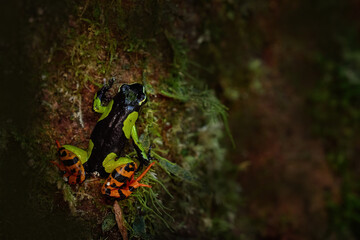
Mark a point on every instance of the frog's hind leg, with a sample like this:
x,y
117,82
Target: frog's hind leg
x,y
60,166
77,178
136,184
71,161
80,153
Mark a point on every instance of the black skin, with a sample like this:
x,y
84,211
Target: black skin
x,y
107,135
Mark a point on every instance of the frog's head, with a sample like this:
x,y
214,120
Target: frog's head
x,y
133,94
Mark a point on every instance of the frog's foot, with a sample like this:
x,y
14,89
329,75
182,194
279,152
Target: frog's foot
x,y
76,178
95,174
145,161
140,185
149,153
111,81
133,184
141,176
107,85
58,144
92,88
66,179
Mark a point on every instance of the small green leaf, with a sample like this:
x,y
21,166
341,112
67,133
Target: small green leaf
x,y
174,169
139,226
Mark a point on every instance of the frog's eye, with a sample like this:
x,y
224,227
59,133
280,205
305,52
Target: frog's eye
x,y
124,88
142,99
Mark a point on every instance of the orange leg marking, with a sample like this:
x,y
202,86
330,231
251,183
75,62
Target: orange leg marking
x,y
72,179
58,144
144,172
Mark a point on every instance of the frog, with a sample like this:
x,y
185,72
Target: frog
x,y
115,127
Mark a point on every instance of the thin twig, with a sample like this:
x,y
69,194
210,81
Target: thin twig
x,y
120,220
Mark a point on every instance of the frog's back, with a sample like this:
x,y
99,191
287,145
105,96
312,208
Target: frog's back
x,y
109,131
108,137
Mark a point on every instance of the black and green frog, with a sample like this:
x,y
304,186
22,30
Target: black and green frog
x,y
113,130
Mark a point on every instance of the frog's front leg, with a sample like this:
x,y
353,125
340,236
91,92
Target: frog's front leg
x,y
142,156
100,96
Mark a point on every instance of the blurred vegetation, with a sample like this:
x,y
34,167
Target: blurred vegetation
x,y
205,66
336,99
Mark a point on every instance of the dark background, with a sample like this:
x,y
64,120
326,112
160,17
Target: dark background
x,y
287,70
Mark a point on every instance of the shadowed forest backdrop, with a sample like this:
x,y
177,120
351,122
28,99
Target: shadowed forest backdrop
x,y
253,116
